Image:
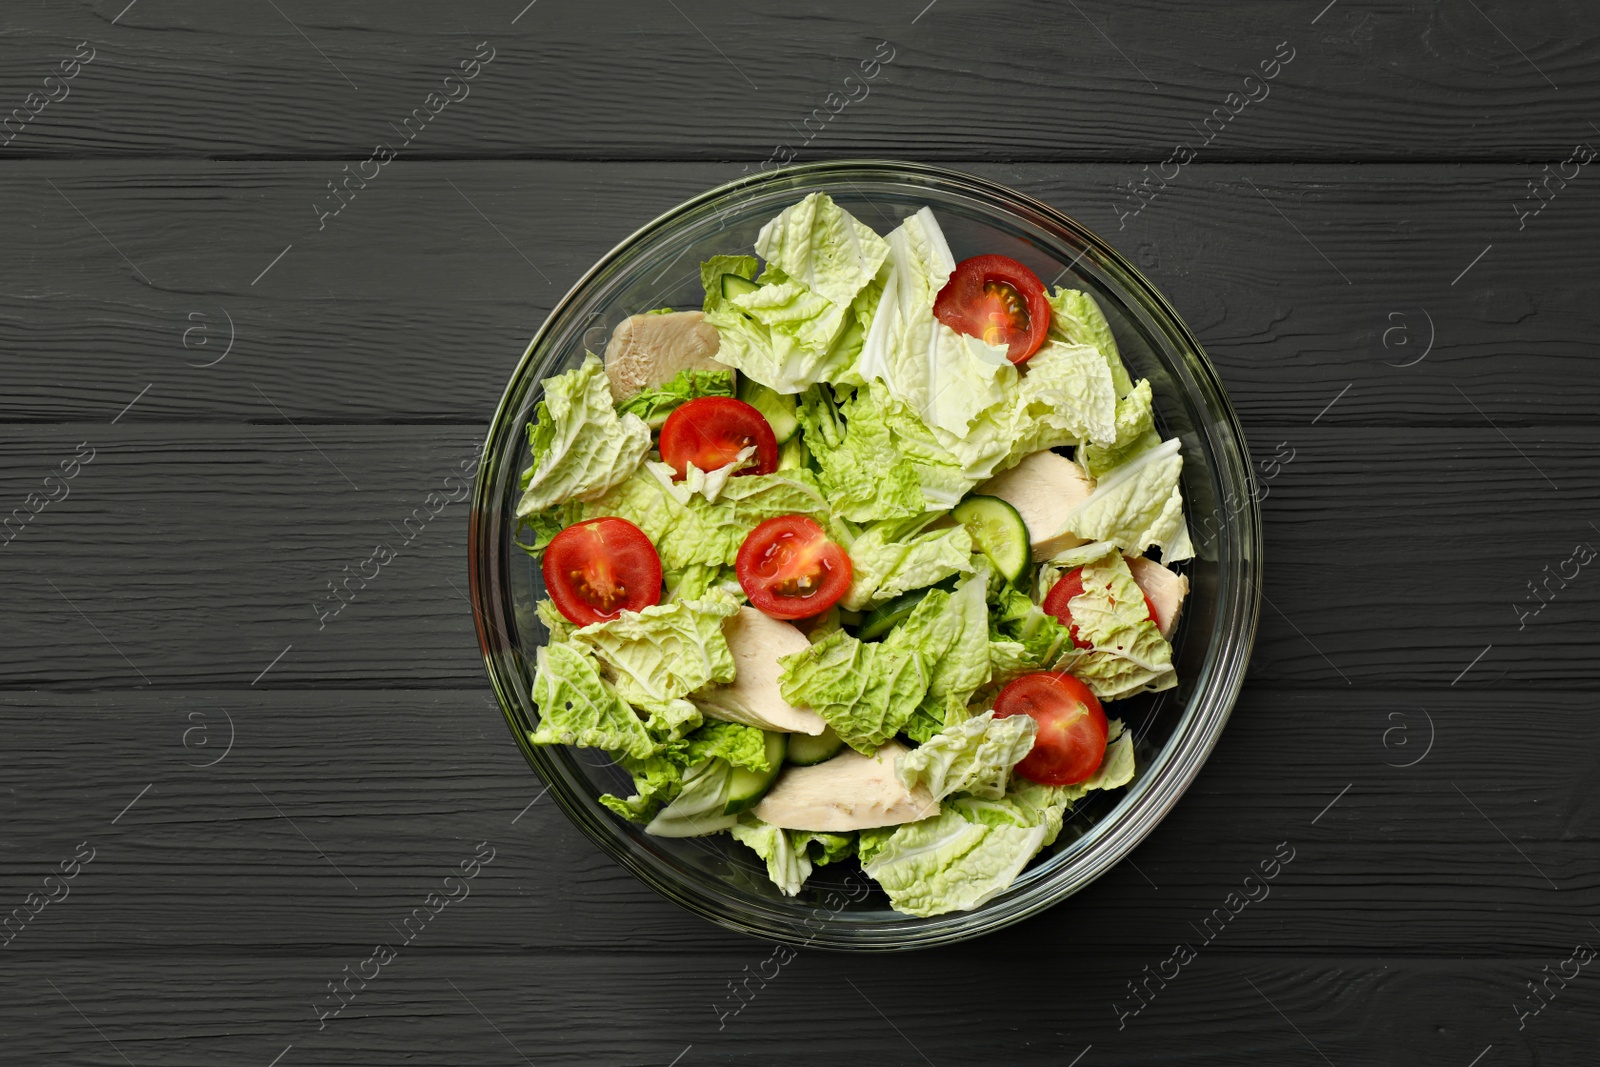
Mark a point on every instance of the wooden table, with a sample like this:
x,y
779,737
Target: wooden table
x,y
232,394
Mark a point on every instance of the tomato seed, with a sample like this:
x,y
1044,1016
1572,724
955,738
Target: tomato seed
x,y
605,595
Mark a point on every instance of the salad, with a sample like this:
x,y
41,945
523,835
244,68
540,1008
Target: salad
x,y
848,563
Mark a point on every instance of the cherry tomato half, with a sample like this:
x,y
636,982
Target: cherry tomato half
x,y
711,431
790,570
1071,742
1060,596
998,299
596,570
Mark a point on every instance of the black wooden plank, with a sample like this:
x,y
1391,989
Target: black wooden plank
x,y
202,551
963,1006
1432,880
699,80
1419,824
413,308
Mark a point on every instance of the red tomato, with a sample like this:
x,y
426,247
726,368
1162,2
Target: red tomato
x,y
790,570
596,570
711,431
1068,586
1071,741
998,299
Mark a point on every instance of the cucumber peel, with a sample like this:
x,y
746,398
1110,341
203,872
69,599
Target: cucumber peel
x,y
999,533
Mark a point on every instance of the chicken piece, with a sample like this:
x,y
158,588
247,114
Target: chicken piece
x,y
1044,488
848,792
649,350
756,642
1166,590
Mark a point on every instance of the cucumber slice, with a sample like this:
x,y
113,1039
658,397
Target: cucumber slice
x,y
793,454
778,408
891,613
745,786
998,531
806,750
733,285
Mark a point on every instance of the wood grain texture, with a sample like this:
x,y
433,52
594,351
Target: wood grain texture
x,y
1422,739
411,306
390,790
620,1008
638,80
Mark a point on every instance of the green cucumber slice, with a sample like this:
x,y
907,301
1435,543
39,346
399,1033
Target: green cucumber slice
x,y
998,531
891,613
745,786
776,407
733,285
883,618
806,750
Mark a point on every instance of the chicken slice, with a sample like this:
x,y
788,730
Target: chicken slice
x,y
1166,590
756,642
848,792
649,350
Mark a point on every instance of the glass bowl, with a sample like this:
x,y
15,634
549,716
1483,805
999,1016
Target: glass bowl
x,y
841,908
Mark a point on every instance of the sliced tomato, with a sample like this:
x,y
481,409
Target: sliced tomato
x,y
1071,742
711,431
1057,602
790,570
597,569
998,299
